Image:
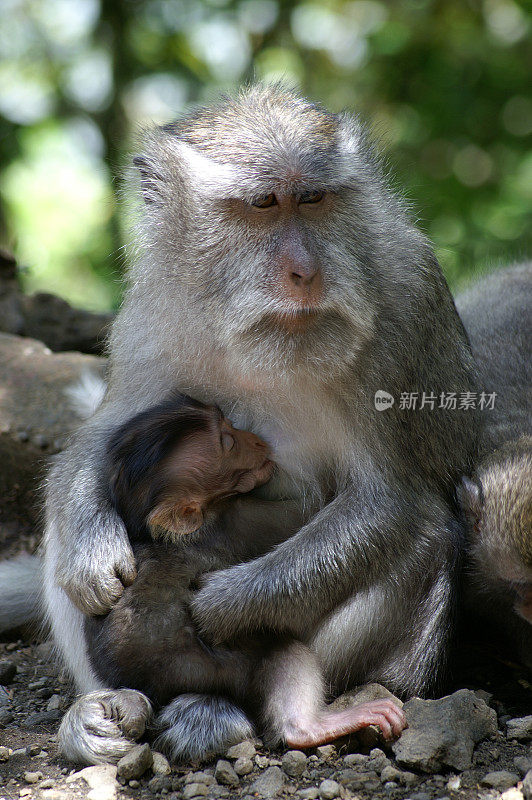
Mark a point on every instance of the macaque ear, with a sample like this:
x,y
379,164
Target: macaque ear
x,y
176,519
471,500
150,180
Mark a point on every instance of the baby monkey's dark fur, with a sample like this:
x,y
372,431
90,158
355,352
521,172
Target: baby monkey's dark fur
x,y
172,471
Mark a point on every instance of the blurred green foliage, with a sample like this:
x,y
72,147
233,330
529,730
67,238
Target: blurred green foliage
x,y
445,85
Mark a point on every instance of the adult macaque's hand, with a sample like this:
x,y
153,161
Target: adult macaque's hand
x,y
217,608
94,577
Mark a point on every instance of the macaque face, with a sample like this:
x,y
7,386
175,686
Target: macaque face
x,y
206,468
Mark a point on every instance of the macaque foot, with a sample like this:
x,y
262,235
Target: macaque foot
x,y
330,725
101,727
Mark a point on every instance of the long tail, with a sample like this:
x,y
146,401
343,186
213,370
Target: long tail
x,y
194,726
20,581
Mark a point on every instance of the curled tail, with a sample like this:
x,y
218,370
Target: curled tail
x,y
194,726
102,726
20,580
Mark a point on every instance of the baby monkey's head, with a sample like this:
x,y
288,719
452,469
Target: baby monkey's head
x,y
171,464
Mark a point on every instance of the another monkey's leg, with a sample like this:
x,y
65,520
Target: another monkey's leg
x,y
294,703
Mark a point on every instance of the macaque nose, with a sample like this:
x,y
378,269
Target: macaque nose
x,y
301,279
303,275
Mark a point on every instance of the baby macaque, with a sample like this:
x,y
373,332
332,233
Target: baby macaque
x,y
177,476
498,507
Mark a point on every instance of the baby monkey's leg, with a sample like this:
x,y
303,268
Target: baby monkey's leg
x,y
294,703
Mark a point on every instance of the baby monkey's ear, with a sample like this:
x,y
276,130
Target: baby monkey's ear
x,y
174,520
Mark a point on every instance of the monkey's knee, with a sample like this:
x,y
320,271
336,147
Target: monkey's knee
x,y
103,726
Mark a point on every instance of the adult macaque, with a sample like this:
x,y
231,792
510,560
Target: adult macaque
x,y
175,469
278,277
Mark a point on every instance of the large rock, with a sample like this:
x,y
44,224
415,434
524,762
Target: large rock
x,y
35,419
442,733
46,317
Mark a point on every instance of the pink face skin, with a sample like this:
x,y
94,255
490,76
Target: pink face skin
x,y
209,467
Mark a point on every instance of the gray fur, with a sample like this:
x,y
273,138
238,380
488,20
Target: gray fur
x,y
382,547
497,313
194,725
20,602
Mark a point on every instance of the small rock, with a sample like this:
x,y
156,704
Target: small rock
x,y
329,790
101,779
421,796
25,792
389,786
409,778
326,751
512,794
134,784
54,703
225,774
243,766
8,670
200,777
54,794
33,777
390,773
5,752
37,684
245,749
500,780
159,784
294,763
454,783
311,793
269,784
523,763
135,763
33,750
160,765
195,790
262,762
527,786
6,716
519,728
42,718
48,783
355,760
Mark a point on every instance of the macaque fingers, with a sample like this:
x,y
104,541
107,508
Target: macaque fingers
x,y
330,725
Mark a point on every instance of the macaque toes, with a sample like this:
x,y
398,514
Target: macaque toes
x,y
497,503
175,472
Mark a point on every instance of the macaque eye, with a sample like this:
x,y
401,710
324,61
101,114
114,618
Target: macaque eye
x,y
228,441
265,201
311,197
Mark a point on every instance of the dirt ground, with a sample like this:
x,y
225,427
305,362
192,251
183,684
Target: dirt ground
x,y
36,693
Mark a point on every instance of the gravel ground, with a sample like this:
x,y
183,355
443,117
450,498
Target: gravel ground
x,y
36,694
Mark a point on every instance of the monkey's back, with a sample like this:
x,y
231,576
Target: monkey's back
x,y
148,640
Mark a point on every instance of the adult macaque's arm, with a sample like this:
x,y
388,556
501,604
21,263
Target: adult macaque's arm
x,y
84,535
346,546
